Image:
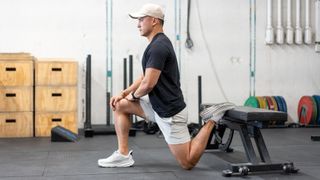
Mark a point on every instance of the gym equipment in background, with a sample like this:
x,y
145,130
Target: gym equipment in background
x,y
308,110
317,101
61,134
99,129
275,103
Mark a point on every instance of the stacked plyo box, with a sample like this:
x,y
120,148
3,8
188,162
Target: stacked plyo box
x,y
16,95
55,95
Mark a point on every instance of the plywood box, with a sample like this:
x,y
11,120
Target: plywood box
x,y
56,72
16,124
16,99
54,99
15,55
46,121
16,73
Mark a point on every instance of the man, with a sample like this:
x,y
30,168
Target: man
x,y
156,96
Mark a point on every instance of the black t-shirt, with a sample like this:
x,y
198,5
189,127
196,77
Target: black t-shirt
x,y
166,97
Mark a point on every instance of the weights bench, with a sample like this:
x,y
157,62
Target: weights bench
x,y
248,121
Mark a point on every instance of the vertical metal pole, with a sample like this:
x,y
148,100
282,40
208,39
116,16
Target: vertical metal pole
x,y
177,29
125,73
109,83
131,77
88,93
108,109
130,69
252,47
199,98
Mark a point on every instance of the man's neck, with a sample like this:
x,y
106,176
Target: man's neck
x,y
153,33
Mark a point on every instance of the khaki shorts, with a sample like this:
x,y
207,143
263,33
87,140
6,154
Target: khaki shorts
x,y
174,129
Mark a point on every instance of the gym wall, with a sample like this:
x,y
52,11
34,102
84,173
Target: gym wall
x,y
219,29
60,29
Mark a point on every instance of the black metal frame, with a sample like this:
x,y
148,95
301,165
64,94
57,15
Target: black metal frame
x,y
315,138
219,133
248,130
103,129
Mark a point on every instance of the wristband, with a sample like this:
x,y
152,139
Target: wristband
x,y
134,97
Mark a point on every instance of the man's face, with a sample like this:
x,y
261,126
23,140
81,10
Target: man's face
x,y
145,25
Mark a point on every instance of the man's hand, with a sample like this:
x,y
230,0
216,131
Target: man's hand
x,y
115,99
130,98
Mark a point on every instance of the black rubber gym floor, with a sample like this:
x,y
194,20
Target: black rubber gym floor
x,y
39,158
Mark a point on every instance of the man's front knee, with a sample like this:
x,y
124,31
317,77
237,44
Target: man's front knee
x,y
121,105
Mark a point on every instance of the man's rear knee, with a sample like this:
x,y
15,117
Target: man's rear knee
x,y
187,165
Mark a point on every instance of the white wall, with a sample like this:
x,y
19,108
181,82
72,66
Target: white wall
x,y
60,29
222,29
75,28
291,71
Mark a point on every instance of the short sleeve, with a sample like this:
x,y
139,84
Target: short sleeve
x,y
158,55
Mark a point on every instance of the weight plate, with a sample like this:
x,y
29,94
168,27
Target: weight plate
x,y
262,102
315,112
271,107
305,110
317,98
279,103
252,102
274,103
284,104
270,103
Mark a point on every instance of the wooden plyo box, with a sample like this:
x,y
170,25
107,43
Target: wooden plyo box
x,y
16,94
16,73
16,99
56,73
46,121
53,99
17,124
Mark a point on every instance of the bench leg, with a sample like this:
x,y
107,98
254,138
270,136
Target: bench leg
x,y
247,144
262,148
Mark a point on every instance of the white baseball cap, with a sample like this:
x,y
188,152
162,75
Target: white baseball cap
x,y
152,10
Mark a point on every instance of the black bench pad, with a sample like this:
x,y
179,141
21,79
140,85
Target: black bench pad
x,y
249,114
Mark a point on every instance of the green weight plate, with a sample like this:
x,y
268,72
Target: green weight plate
x,y
252,102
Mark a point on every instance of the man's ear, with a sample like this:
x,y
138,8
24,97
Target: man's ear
x,y
154,21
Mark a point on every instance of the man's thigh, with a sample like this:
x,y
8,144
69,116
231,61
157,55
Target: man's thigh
x,y
174,129
130,107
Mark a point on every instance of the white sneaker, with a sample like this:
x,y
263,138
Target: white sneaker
x,y
216,111
117,160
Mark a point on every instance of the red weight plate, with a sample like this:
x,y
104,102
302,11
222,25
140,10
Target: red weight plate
x,y
270,103
305,110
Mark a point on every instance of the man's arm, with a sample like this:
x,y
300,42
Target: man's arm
x,y
133,87
148,82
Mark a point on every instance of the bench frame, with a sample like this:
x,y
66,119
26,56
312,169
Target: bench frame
x,y
247,130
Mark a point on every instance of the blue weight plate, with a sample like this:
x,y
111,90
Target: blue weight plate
x,y
315,111
279,103
284,104
317,99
